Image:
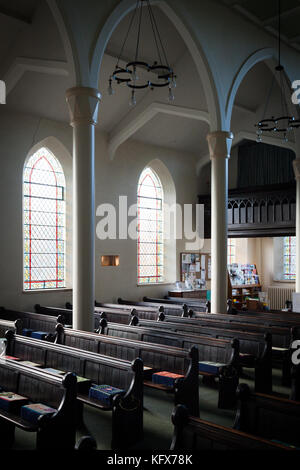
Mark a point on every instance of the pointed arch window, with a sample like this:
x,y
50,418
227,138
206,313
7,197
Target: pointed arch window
x,y
231,250
289,258
150,228
44,214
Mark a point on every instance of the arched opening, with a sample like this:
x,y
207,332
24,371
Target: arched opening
x,y
156,243
201,90
44,222
150,240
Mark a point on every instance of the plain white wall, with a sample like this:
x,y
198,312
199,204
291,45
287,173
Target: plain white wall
x,y
120,177
19,133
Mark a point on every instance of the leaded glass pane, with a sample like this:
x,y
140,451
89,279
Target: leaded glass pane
x,y
150,228
231,251
44,222
289,258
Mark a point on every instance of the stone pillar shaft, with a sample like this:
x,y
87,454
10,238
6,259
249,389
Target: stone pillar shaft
x,y
219,147
296,164
83,106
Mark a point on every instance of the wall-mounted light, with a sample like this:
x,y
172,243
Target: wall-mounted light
x,y
110,260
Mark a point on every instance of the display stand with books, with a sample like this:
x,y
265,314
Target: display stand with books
x,y
243,283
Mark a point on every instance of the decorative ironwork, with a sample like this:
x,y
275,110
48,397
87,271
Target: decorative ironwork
x,y
150,228
162,74
44,222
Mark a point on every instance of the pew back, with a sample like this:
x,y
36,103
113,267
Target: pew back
x,y
100,369
34,321
267,416
191,433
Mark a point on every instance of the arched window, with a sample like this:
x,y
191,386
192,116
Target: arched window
x,y
231,250
150,228
289,258
44,216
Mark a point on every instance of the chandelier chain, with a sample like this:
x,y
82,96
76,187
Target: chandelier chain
x,y
127,34
153,21
139,33
162,74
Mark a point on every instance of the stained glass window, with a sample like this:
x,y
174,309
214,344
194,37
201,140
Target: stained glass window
x,y
150,228
289,258
44,210
231,251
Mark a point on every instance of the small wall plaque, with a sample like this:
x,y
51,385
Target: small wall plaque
x,y
110,260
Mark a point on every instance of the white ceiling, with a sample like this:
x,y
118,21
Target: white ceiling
x,y
264,13
27,26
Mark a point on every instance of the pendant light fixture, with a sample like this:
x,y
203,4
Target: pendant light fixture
x,y
284,123
158,74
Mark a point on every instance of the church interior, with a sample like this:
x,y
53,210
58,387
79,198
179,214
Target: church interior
x,y
150,235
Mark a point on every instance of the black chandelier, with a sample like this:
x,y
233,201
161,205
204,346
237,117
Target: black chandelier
x,y
162,74
284,123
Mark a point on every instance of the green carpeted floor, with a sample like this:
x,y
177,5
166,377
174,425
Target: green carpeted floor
x,y
158,428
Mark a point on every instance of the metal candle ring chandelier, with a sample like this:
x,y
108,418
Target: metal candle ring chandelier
x,y
285,123
164,74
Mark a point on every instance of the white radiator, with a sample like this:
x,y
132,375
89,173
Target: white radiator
x,y
278,295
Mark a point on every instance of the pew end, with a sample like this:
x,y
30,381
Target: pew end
x,y
86,444
127,417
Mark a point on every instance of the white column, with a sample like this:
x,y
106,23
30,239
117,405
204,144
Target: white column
x,y
219,144
296,164
83,106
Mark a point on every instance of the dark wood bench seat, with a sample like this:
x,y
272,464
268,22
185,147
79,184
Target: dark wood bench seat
x,y
31,320
146,310
267,317
55,432
168,309
194,434
15,325
123,316
281,337
146,342
157,357
267,416
210,349
264,320
202,305
127,408
255,349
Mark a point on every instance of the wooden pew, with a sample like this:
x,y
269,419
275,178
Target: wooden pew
x,y
122,315
145,311
258,346
5,325
210,349
191,433
156,356
281,337
267,416
281,332
34,321
127,408
168,309
202,305
53,433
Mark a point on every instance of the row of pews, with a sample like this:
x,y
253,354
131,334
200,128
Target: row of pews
x,y
133,341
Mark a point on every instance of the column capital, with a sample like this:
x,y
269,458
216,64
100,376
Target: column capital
x,y
83,105
296,166
219,144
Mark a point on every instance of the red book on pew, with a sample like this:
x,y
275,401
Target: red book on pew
x,y
11,358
